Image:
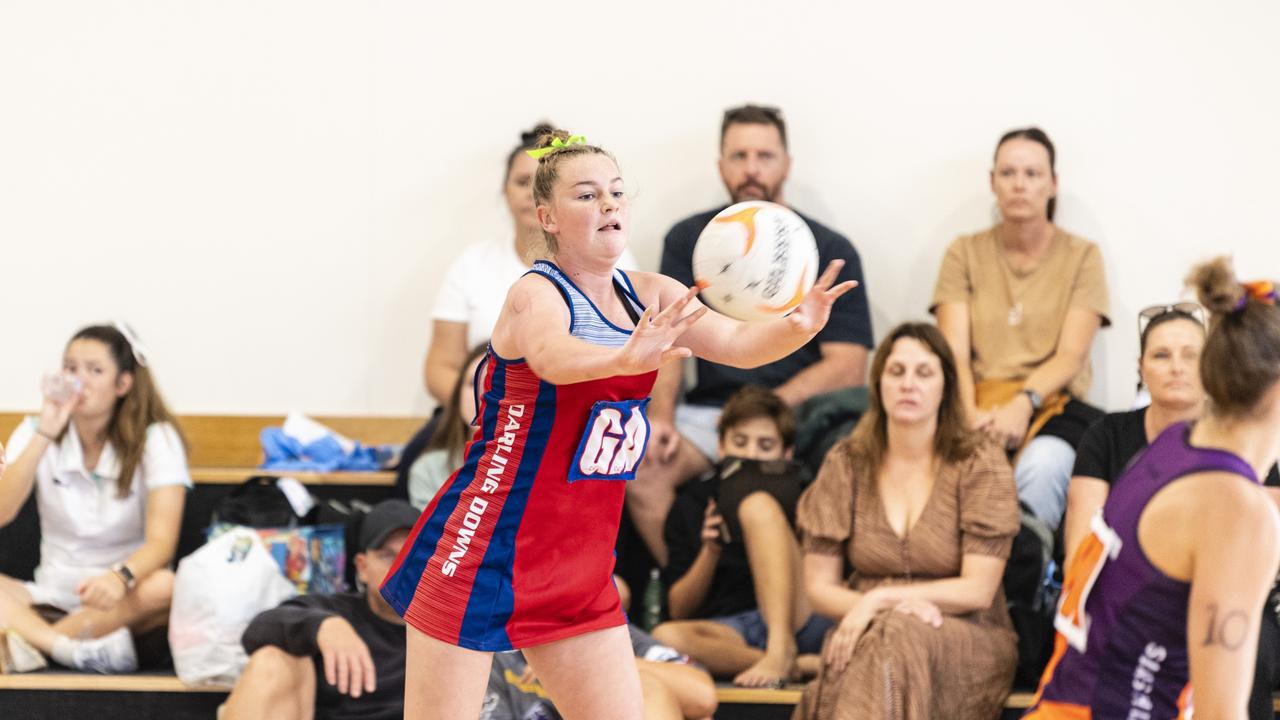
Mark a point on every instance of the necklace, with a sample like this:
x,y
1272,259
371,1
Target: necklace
x,y
1016,308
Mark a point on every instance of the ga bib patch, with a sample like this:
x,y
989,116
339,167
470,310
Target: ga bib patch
x,y
613,442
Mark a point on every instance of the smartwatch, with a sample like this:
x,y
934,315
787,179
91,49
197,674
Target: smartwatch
x,y
125,574
1034,397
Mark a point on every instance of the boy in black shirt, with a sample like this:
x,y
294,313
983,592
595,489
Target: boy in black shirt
x,y
737,604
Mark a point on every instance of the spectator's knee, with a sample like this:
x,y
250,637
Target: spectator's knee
x,y
1046,459
670,634
273,668
1042,474
760,508
700,699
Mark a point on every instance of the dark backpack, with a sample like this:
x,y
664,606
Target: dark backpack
x,y
1031,588
258,503
825,419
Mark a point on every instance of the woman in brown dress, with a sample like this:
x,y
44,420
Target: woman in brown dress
x,y
925,512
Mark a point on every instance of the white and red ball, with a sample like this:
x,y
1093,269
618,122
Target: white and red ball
x,y
755,260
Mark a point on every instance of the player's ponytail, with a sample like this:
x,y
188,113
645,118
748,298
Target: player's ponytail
x,y
1241,357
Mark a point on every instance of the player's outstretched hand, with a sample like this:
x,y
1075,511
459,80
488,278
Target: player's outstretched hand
x,y
812,313
652,343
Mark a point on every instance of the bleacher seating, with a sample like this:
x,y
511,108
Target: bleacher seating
x,y
224,452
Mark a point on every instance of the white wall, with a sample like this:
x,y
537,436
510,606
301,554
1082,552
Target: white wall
x,y
270,191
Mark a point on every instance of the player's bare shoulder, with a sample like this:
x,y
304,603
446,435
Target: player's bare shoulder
x,y
650,286
1226,502
533,293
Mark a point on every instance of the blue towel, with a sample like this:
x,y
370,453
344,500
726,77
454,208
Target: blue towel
x,y
324,455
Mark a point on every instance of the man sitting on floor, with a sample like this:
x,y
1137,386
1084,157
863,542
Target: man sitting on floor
x,y
332,656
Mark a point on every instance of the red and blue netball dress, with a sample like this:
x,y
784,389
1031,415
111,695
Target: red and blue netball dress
x,y
1121,647
516,549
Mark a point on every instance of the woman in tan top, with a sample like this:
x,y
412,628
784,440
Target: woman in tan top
x,y
1020,304
925,512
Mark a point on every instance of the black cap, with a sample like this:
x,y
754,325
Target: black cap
x,y
385,518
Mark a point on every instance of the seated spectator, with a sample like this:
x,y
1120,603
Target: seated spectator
x,y
108,465
1020,304
739,607
332,656
444,451
924,510
1170,341
754,164
475,285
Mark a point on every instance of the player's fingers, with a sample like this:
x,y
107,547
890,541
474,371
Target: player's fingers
x,y
646,317
841,289
829,276
675,353
674,309
683,323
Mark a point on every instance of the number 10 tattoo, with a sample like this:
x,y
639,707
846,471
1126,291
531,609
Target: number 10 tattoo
x,y
1229,631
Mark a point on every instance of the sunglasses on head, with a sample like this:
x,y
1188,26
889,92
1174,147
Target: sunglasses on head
x,y
1183,309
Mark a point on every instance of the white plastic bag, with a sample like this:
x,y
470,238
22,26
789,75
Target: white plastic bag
x,y
219,589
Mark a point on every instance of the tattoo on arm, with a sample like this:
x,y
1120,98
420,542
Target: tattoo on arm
x,y
1229,630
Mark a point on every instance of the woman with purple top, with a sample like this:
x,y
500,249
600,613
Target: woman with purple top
x,y
1165,593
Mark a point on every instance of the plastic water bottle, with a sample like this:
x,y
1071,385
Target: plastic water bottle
x,y
652,601
60,387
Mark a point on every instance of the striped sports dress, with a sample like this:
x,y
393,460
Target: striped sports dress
x,y
1121,645
516,549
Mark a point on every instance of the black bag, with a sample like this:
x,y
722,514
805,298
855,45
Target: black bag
x,y
351,516
1031,588
825,419
258,503
785,480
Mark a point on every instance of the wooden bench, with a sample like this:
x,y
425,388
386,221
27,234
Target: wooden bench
x,y
735,702
758,704
224,442
87,692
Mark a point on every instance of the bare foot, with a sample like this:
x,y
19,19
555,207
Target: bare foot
x,y
805,667
770,671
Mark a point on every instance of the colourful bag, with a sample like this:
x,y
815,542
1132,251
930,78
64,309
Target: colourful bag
x,y
311,557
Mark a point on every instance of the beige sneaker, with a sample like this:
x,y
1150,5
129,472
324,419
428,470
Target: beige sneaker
x,y
17,655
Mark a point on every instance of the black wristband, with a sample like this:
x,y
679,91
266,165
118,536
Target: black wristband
x,y
123,572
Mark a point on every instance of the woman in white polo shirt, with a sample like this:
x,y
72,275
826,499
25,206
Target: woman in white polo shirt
x,y
108,465
475,287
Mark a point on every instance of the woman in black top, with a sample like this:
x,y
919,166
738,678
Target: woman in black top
x,y
1169,366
